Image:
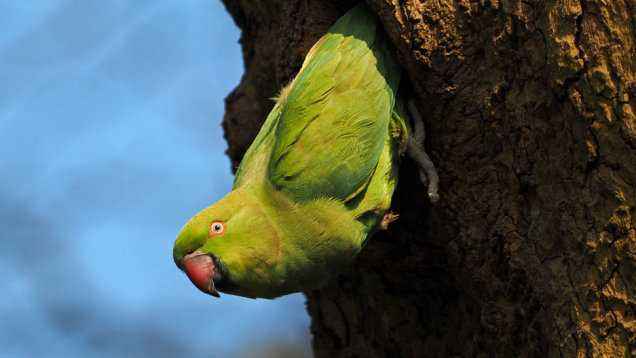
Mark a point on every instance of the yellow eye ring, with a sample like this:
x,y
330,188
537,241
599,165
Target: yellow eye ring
x,y
217,228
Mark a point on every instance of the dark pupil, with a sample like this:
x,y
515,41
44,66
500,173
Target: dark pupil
x,y
217,227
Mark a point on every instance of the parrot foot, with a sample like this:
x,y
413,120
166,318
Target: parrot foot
x,y
415,149
387,219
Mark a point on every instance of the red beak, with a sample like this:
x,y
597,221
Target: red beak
x,y
201,271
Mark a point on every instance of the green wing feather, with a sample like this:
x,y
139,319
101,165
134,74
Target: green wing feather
x,y
254,162
334,118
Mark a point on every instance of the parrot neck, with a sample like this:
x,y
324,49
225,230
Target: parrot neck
x,y
317,239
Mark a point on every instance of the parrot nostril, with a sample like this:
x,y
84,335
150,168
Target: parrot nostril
x,y
179,263
179,258
179,255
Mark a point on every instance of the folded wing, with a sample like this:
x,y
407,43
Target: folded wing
x,y
333,119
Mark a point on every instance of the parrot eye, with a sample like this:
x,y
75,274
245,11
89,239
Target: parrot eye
x,y
217,228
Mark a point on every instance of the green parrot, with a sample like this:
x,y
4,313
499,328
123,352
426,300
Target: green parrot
x,y
318,179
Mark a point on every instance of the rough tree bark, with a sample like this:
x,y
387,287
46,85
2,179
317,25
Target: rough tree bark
x,y
530,112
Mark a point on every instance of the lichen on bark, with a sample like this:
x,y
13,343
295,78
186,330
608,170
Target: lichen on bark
x,y
531,121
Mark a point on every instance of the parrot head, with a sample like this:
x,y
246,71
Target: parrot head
x,y
230,247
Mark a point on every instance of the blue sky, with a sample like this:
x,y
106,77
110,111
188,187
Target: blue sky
x,y
110,140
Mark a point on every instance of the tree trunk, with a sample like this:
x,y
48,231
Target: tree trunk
x,y
530,115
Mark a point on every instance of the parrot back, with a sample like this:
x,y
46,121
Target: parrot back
x,y
328,129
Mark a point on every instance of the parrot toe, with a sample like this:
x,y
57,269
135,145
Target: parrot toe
x,y
387,219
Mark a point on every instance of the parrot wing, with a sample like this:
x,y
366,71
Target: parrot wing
x,y
334,117
255,160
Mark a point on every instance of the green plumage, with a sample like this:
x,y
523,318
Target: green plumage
x,y
318,178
